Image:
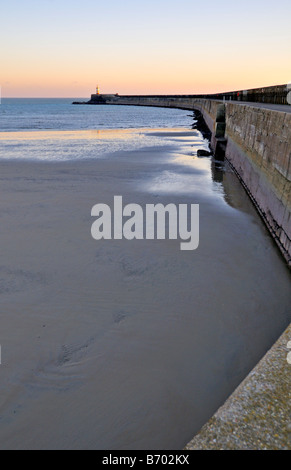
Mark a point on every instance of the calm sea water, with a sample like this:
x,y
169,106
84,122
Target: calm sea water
x,y
57,130
59,114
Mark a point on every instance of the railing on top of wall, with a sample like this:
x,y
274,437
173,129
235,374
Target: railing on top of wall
x,y
273,94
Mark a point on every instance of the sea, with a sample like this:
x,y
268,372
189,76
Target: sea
x,y
57,130
31,114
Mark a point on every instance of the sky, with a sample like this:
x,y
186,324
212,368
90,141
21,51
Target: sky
x,y
61,48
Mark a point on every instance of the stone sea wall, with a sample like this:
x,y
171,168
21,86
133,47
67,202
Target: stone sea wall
x,y
257,143
259,148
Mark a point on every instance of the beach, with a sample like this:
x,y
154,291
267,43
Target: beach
x,y
128,344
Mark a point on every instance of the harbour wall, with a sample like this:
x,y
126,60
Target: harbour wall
x,y
255,140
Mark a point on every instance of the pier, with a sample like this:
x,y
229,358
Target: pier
x,y
252,130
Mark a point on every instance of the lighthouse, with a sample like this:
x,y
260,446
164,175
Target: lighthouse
x,y
97,90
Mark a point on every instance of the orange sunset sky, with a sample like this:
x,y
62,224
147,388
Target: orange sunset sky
x,y
64,48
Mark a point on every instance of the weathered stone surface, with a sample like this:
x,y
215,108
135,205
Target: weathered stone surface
x,y
259,148
257,414
219,129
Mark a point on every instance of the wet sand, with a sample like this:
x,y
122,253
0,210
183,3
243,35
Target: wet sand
x,y
119,344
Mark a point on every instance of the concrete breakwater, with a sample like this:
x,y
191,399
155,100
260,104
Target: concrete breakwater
x,y
255,139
